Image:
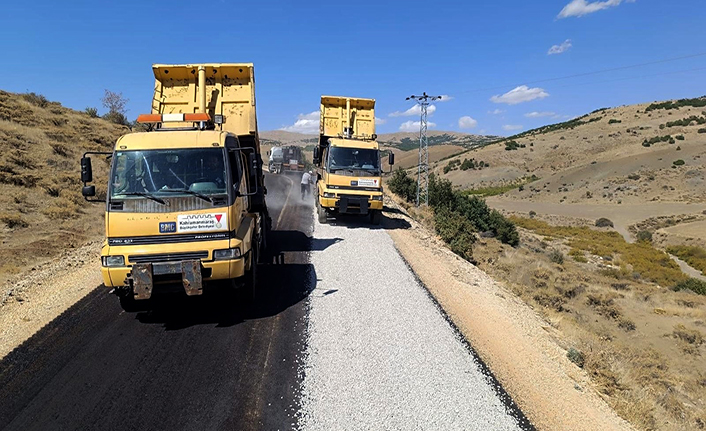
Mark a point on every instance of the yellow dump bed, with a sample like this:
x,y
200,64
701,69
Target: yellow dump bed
x,y
230,92
340,113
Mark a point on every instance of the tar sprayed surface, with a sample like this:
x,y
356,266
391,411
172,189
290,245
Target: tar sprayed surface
x,y
207,362
380,354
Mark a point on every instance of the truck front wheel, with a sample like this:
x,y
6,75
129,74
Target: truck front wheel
x,y
250,276
321,211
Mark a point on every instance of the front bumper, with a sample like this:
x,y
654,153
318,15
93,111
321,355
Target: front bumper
x,y
351,204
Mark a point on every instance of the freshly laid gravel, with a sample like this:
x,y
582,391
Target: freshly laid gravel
x,y
379,354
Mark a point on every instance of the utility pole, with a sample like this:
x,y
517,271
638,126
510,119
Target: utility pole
x,y
423,167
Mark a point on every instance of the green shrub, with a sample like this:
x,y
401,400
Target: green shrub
x,y
678,162
117,118
696,102
92,112
703,130
693,284
511,145
604,222
614,121
644,236
403,185
679,137
694,256
576,357
456,230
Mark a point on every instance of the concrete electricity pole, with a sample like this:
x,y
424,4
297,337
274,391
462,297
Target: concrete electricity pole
x,y
423,167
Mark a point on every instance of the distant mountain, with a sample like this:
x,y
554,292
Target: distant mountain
x,y
402,140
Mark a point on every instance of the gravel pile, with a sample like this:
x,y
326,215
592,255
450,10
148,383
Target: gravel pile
x,y
379,354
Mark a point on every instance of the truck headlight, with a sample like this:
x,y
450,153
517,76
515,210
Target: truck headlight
x,y
112,261
329,195
377,198
229,253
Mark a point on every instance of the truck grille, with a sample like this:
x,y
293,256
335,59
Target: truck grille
x,y
167,257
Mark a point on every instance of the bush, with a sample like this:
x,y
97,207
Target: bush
x,y
403,185
511,145
117,118
604,222
644,236
679,137
13,220
701,130
36,99
692,284
456,230
576,357
614,121
678,162
556,256
92,112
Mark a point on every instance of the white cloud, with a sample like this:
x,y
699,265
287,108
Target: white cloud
x,y
380,120
582,7
467,122
445,98
415,110
536,114
520,94
306,123
413,126
496,111
558,49
510,127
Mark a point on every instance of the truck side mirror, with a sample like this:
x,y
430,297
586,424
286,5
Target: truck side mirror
x,y
391,158
86,171
88,191
316,156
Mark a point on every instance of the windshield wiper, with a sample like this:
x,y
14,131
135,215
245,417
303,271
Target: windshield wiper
x,y
190,192
146,195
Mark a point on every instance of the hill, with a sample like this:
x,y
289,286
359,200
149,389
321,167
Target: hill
x,y
43,212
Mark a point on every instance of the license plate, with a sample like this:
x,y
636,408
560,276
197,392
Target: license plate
x,y
167,227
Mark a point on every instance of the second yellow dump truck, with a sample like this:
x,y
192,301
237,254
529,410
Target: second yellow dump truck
x,y
185,202
348,159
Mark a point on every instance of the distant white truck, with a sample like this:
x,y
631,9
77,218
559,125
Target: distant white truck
x,y
276,160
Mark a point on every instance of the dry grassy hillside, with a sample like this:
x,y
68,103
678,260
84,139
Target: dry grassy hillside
x,y
601,159
42,211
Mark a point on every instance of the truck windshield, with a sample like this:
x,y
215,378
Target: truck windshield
x,y
354,159
197,171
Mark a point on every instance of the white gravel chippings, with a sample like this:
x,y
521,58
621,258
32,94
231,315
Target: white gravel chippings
x,y
379,355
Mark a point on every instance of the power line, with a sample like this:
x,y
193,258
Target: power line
x,y
596,72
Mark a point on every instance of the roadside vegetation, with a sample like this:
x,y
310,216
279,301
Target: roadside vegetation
x,y
457,216
694,256
42,212
488,191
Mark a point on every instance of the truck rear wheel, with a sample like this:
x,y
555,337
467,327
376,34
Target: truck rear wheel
x,y
375,217
321,211
250,276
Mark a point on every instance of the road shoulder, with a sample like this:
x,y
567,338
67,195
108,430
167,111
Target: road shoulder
x,y
514,341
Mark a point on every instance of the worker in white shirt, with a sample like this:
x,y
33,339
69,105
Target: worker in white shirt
x,y
307,181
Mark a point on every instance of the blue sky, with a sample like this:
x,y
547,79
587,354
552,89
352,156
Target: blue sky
x,y
479,53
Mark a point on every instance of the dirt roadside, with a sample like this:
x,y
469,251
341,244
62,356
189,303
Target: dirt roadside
x,y
31,300
516,343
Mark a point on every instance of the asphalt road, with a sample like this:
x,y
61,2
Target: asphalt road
x,y
355,343
194,363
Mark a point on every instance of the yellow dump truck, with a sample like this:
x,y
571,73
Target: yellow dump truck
x,y
186,200
348,159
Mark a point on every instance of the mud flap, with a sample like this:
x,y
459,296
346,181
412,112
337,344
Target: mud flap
x,y
362,204
191,277
142,280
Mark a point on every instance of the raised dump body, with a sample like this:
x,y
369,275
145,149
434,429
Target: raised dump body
x,y
348,159
185,203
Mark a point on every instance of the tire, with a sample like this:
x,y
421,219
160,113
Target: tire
x,y
375,217
321,212
250,277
